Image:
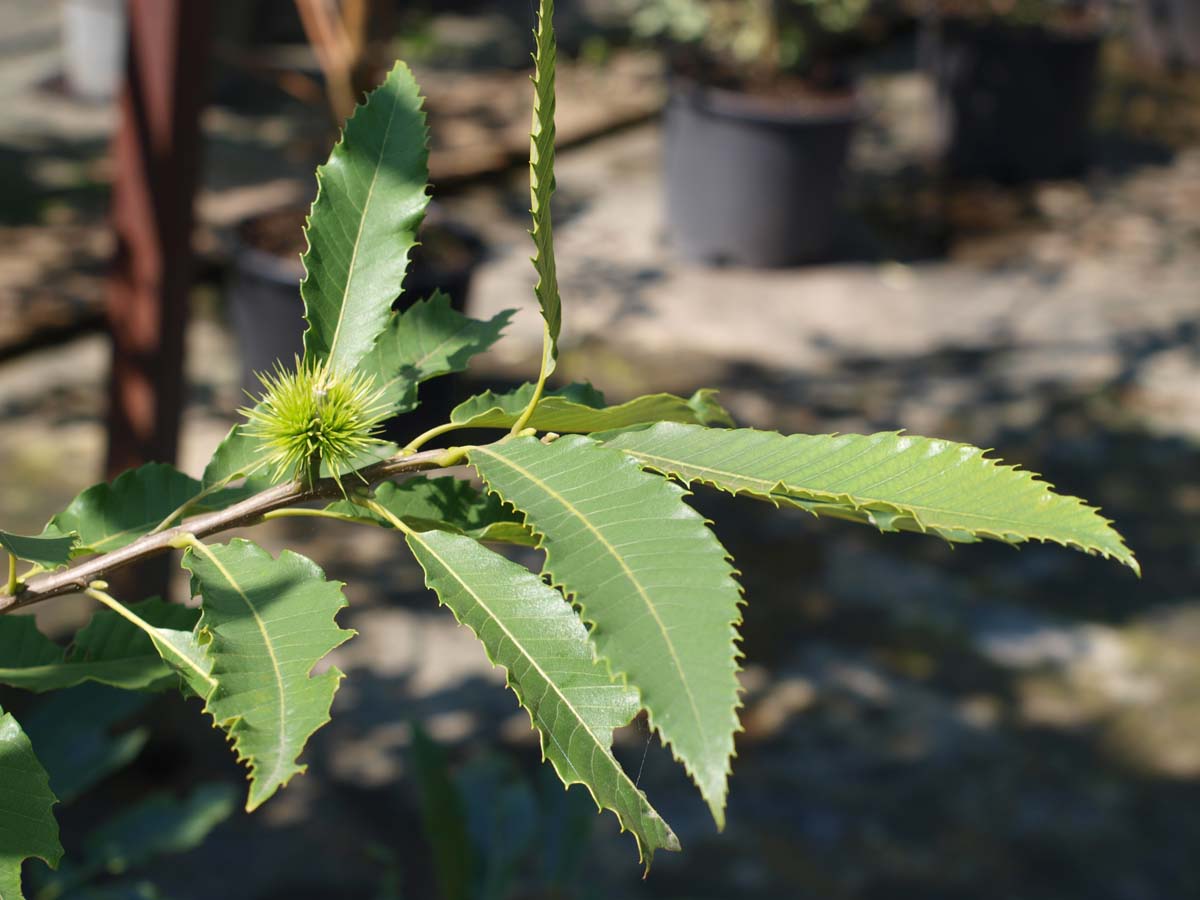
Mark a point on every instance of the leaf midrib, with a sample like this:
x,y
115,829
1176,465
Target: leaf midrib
x,y
362,221
672,465
525,653
641,591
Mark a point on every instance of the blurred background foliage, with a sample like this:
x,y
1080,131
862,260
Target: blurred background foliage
x,y
920,722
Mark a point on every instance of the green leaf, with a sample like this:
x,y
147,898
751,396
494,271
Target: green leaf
x,y
157,826
893,481
237,456
447,504
50,549
580,408
110,638
502,817
266,623
24,648
371,198
27,826
707,411
561,415
566,831
648,574
529,628
492,410
73,733
426,340
373,454
108,650
443,819
110,516
183,651
541,182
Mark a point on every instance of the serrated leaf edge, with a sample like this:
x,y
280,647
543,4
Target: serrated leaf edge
x,y
717,804
779,493
512,684
541,179
230,724
340,145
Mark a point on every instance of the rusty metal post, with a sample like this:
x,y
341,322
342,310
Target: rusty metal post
x,y
157,156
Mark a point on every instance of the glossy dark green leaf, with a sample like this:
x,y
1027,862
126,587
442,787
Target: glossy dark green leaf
x,y
893,481
108,650
78,736
580,408
650,577
264,624
447,504
426,340
27,825
371,198
541,182
108,516
529,628
158,826
51,549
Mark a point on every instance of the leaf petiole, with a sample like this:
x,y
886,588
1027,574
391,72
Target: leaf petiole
x,y
527,414
379,509
420,440
96,590
11,588
297,512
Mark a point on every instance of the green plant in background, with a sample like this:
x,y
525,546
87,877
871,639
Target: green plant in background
x,y
636,607
760,38
80,741
495,834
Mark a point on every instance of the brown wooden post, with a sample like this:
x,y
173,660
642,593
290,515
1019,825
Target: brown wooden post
x,y
157,156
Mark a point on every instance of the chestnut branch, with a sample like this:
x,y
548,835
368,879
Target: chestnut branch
x,y
246,512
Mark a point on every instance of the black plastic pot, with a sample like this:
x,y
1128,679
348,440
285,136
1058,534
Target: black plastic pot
x,y
1015,103
265,310
754,181
264,292
445,260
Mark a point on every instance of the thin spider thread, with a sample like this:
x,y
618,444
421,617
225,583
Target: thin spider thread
x,y
645,752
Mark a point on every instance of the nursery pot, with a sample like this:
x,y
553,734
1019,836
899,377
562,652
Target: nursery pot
x,y
755,180
263,297
1015,103
93,44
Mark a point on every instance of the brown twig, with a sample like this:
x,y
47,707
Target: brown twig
x,y
247,512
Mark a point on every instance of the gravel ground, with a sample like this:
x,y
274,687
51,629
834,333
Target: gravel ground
x,y
920,722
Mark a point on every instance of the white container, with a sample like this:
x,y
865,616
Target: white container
x,y
93,43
